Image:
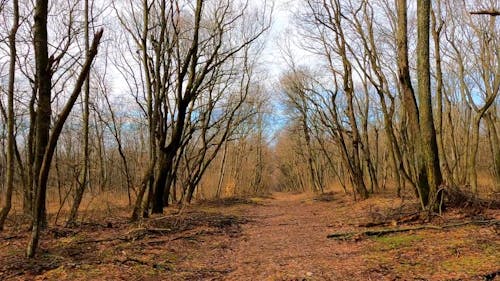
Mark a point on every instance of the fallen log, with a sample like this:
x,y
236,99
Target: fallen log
x,y
405,219
386,231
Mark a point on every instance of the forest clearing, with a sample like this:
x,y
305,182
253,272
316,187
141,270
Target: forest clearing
x,y
249,140
278,237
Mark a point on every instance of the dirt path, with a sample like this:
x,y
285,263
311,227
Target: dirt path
x,y
286,240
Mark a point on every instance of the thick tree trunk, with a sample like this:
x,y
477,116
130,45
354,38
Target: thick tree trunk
x,y
410,103
44,111
42,126
160,183
427,130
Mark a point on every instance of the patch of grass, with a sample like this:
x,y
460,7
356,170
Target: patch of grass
x,y
169,257
490,248
71,239
397,241
143,270
468,264
78,272
376,258
58,273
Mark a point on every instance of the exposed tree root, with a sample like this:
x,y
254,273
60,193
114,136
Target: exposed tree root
x,y
386,231
463,198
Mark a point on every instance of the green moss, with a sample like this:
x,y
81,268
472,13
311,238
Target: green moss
x,y
91,271
397,241
490,248
466,264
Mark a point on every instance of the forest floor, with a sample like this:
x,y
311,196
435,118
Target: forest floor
x,y
280,237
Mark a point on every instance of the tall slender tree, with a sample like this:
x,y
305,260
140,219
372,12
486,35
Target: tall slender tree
x,y
10,115
83,183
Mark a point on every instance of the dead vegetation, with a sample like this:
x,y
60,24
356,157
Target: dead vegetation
x,y
226,202
283,238
116,243
465,199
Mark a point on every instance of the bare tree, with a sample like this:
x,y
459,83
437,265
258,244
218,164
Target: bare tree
x,y
10,116
86,109
46,141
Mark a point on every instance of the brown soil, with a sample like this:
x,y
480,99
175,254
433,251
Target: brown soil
x,y
282,237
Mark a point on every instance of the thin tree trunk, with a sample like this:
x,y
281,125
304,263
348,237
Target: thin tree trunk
x,y
494,141
471,164
436,32
86,93
138,206
222,171
29,190
10,118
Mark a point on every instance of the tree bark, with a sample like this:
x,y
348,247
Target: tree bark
x,y
410,102
494,141
44,111
427,129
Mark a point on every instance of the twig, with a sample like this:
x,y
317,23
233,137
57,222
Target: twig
x,y
102,240
492,13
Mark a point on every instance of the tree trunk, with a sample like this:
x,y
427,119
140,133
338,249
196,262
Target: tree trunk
x,y
410,103
44,111
494,141
159,184
471,164
10,117
138,206
86,92
40,26
222,171
427,130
